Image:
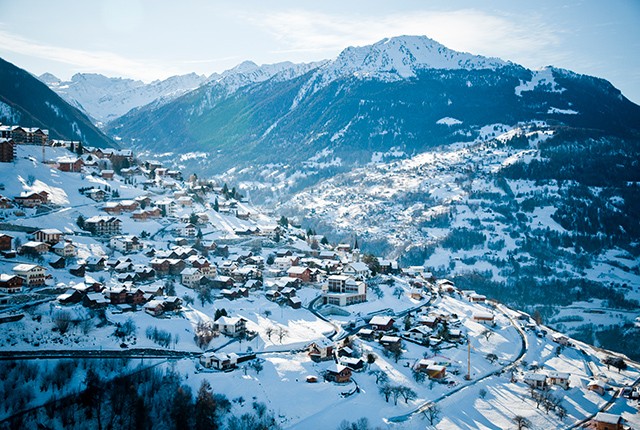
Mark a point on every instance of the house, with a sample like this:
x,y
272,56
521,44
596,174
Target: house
x,y
69,297
219,360
96,194
366,333
282,264
103,225
294,302
190,277
535,380
32,200
300,272
7,150
483,317
34,248
65,249
597,386
561,339
418,334
432,369
390,341
95,263
352,363
112,208
107,174
154,307
70,164
58,262
230,326
95,300
5,242
477,298
172,303
125,244
382,323
358,270
5,203
116,295
189,230
342,290
33,274
338,373
606,421
321,350
48,235
78,270
10,283
559,378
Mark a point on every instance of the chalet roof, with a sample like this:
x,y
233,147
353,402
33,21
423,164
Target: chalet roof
x,y
25,267
604,417
297,270
49,231
359,267
229,320
6,278
538,377
381,320
559,375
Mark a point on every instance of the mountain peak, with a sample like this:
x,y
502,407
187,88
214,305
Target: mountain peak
x,y
393,59
49,78
404,55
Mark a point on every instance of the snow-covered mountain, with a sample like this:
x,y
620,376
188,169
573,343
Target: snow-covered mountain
x,y
406,93
395,59
105,99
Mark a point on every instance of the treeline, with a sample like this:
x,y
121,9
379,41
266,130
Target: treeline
x,y
146,399
529,291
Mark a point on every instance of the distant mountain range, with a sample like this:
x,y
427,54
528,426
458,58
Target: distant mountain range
x,y
105,99
26,101
405,94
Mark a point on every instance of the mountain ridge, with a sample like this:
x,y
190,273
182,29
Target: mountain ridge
x,y
29,102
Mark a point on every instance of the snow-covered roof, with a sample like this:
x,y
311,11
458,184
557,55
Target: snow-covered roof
x,y
604,417
25,267
381,320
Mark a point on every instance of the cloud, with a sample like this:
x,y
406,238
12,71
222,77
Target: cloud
x,y
84,61
509,37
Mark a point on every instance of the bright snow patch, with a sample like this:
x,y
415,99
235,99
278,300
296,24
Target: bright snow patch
x,y
562,111
448,121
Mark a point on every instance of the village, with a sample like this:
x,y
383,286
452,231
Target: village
x,y
102,251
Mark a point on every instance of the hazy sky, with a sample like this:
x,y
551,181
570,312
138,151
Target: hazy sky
x,y
151,39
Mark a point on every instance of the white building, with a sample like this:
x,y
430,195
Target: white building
x,y
230,326
125,244
33,274
190,277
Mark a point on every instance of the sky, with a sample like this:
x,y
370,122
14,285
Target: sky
x,y
155,39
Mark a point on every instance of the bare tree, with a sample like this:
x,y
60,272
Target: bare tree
x,y
521,422
432,413
381,376
386,390
269,332
487,333
86,326
282,333
62,321
407,394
